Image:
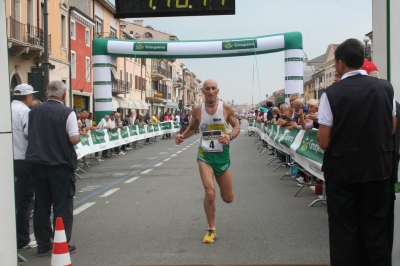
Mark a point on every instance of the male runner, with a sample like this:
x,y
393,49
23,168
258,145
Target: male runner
x,y
213,117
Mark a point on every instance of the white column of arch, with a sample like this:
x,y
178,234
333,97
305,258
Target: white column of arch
x,y
293,72
102,88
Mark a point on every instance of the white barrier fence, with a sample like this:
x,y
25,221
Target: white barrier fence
x,y
107,139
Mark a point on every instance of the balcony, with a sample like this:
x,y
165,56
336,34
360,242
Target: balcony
x,y
120,87
158,73
25,40
164,94
177,82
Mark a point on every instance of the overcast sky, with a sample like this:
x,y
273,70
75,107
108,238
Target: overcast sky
x,y
322,22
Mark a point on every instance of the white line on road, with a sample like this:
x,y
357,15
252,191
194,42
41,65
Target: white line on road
x,y
83,207
162,153
131,179
152,158
178,151
166,160
157,165
184,148
137,165
146,171
174,155
108,193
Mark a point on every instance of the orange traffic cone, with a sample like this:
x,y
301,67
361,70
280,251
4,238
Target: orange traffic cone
x,y
60,255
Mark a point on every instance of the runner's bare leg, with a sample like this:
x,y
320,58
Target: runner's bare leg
x,y
225,186
207,177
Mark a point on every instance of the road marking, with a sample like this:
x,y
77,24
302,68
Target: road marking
x,y
146,171
83,207
178,151
131,179
184,148
152,158
174,155
137,165
108,193
119,174
166,160
157,165
162,153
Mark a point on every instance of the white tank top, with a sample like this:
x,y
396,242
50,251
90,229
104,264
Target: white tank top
x,y
211,128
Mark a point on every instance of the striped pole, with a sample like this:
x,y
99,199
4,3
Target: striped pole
x,y
293,72
102,86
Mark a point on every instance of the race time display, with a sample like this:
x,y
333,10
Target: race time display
x,y
172,8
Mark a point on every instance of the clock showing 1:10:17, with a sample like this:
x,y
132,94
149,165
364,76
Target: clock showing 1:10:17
x,y
172,8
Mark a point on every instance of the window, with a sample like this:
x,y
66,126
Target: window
x,y
113,33
29,12
87,69
72,28
147,35
99,27
87,37
73,64
63,31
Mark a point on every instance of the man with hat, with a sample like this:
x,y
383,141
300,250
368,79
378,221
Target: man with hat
x,y
24,185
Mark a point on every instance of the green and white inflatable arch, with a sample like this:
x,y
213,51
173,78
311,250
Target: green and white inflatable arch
x,y
290,42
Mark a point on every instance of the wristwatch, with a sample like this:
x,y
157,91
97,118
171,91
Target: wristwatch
x,y
231,137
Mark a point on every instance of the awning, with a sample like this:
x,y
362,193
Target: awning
x,y
140,105
122,103
114,72
172,105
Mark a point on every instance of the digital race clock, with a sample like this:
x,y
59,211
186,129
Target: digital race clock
x,y
172,8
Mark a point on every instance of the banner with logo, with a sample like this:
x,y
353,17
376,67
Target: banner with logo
x,y
302,145
107,139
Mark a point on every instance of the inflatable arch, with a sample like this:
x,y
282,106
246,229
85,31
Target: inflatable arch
x,y
105,49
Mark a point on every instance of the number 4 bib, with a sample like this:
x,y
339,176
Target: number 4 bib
x,y
209,141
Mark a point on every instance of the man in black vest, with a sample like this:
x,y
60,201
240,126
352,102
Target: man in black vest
x,y
53,130
358,161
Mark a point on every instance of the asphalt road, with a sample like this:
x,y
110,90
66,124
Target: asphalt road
x,y
146,208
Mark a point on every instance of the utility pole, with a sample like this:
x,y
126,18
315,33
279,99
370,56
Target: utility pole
x,y
46,63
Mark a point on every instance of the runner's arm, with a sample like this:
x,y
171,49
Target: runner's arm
x,y
233,122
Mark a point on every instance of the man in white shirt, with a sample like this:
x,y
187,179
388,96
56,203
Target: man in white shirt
x,y
178,118
22,100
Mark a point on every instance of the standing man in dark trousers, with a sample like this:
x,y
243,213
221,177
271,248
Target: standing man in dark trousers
x,y
53,130
358,160
24,185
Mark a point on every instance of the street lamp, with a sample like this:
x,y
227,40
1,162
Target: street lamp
x,y
367,51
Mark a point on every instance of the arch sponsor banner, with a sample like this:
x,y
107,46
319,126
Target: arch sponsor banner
x,y
107,139
200,48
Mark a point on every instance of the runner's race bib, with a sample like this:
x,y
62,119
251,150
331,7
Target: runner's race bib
x,y
209,141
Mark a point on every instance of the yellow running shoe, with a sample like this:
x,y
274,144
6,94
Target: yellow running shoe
x,y
210,236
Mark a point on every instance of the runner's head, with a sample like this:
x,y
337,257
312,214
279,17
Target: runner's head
x,y
210,91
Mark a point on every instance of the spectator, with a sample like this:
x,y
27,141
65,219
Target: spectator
x,y
82,130
310,120
178,118
132,118
53,130
358,160
24,184
119,125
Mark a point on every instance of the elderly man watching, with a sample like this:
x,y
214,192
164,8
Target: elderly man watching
x,y
53,132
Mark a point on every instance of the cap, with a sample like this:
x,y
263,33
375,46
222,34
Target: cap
x,y
23,89
369,66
